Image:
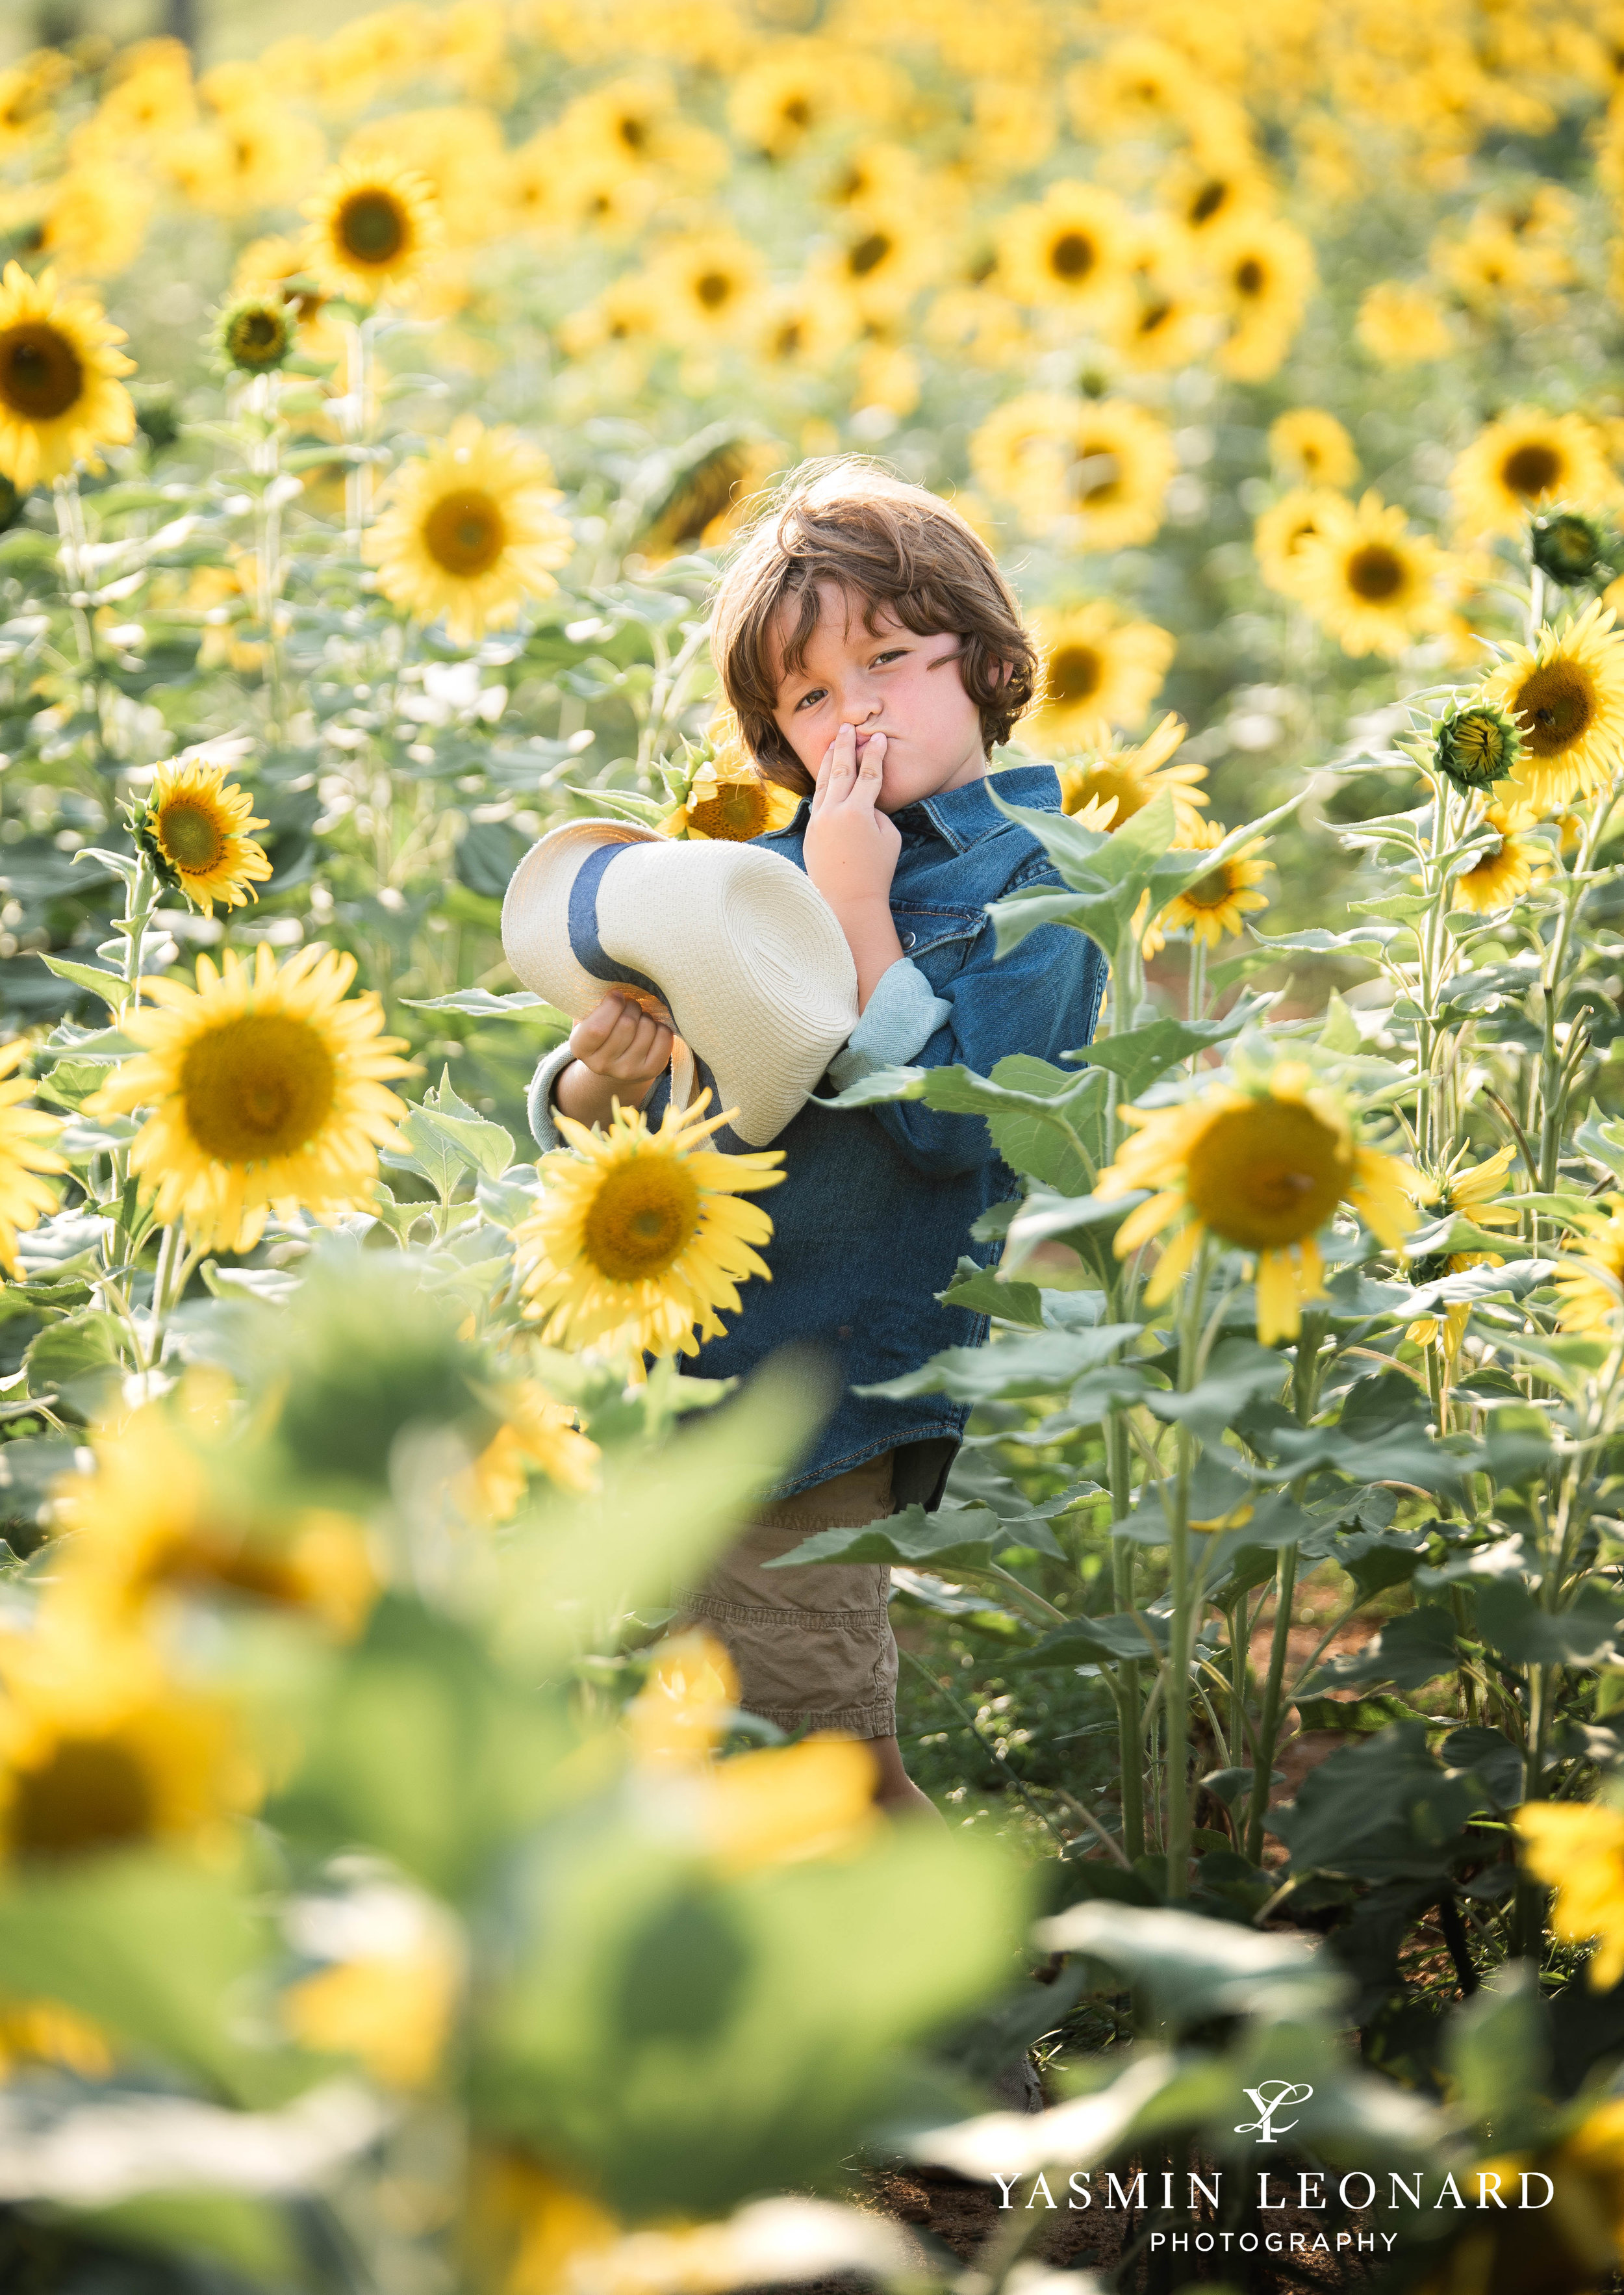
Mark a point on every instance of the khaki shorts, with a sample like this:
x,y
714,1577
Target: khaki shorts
x,y
813,1649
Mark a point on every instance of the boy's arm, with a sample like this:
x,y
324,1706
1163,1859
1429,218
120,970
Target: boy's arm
x,y
849,849
1042,999
616,1053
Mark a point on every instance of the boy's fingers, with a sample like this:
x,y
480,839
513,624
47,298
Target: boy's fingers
x,y
591,1034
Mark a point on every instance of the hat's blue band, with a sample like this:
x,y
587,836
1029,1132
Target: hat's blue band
x,y
584,944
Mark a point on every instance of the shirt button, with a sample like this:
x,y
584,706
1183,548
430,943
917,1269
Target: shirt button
x,y
907,940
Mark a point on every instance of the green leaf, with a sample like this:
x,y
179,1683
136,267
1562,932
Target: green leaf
x,y
981,1292
1046,1218
1038,1362
1143,1054
1358,1714
1517,1629
1409,1651
480,1004
1341,1032
108,986
1239,1373
78,1359
956,1538
1097,1641
1497,2051
1383,1810
481,1146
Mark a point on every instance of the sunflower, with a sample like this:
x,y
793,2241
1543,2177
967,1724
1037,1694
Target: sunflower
x,y
1160,322
1577,1848
373,228
1282,532
1220,901
1313,449
1206,194
1370,582
60,395
1127,777
802,327
26,1154
195,833
1403,325
1477,744
538,1435
710,498
1263,1168
639,1239
1526,459
1093,471
1470,1194
265,1090
797,87
1264,270
254,335
707,287
1067,252
155,1521
468,531
94,220
1592,1274
1566,693
276,266
1100,670
728,802
99,1753
392,2010
1494,877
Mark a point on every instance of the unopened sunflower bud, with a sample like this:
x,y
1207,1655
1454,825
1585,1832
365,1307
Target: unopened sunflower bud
x,y
254,336
1477,746
1568,548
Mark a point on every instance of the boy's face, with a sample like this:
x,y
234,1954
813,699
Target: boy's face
x,y
884,680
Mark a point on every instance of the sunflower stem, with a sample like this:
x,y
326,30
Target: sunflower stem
x,y
1180,1631
1119,1470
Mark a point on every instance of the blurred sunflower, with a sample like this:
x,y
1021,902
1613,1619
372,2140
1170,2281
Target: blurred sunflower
x,y
93,222
468,531
1099,670
60,395
1494,877
1128,776
1220,902
1477,744
1138,87
1371,583
886,257
1204,198
1282,530
639,1238
1525,459
25,1155
255,334
1263,1167
1590,1280
804,327
265,1090
157,1519
1065,252
1264,271
710,498
392,2009
195,832
797,87
1577,1848
1467,1193
1566,692
260,155
1402,325
707,287
538,1435
1312,448
98,1751
276,266
372,230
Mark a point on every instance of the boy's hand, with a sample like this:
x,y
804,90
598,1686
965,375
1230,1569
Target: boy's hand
x,y
850,849
620,1054
850,852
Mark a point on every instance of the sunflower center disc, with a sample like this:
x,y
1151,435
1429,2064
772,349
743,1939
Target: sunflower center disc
x,y
464,533
736,815
1557,705
642,1218
40,374
90,1794
1075,674
1267,1174
258,336
371,227
713,289
1531,470
1206,203
1209,892
257,1087
1072,256
1250,277
1096,475
1376,573
869,254
191,837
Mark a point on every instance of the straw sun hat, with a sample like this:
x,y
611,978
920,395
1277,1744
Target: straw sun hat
x,y
733,947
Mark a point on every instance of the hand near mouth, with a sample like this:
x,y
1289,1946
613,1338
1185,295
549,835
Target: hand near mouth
x,y
850,852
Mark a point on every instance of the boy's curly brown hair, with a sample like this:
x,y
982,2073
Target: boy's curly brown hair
x,y
855,524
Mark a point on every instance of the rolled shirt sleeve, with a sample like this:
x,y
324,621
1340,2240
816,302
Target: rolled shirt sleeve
x,y
538,1100
898,1021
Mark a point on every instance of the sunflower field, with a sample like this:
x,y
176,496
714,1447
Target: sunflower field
x,y
388,1905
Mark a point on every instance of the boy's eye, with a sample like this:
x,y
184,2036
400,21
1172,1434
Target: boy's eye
x,y
817,694
897,653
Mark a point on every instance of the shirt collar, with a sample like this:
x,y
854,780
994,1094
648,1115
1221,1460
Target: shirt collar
x,y
961,817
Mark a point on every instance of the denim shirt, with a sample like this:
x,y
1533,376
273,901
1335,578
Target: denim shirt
x,y
876,1207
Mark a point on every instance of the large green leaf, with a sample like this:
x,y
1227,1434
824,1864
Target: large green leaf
x,y
1037,1362
1385,1809
955,1538
1239,1373
1409,1651
1141,1055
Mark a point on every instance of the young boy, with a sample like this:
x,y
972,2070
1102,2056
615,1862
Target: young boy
x,y
874,656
